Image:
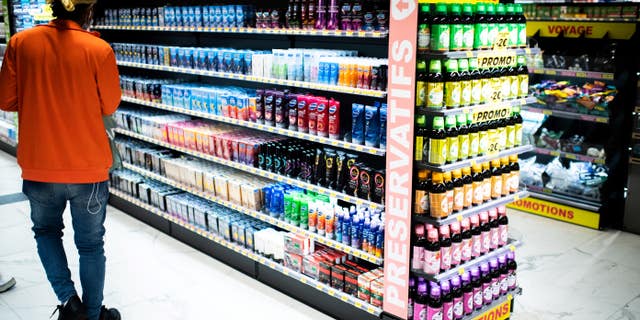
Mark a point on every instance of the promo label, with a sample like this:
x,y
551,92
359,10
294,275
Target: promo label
x,y
559,212
499,312
492,113
502,41
496,59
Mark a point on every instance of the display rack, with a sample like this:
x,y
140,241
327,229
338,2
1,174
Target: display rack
x,y
611,127
398,156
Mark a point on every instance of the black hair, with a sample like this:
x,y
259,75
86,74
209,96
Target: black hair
x,y
80,15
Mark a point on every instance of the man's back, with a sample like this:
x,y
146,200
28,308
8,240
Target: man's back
x,y
66,79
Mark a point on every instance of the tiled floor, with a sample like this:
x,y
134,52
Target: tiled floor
x,y
567,272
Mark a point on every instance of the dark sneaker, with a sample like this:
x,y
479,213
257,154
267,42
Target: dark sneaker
x,y
109,314
72,310
6,285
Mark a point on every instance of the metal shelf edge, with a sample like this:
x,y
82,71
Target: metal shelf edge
x,y
469,212
471,162
559,199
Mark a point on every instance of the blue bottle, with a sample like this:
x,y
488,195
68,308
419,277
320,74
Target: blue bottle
x,y
346,229
372,237
355,232
338,225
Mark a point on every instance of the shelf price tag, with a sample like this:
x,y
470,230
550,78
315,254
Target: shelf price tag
x,y
502,41
497,112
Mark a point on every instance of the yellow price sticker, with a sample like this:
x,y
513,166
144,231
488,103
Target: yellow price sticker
x,y
581,74
550,72
358,304
461,271
502,41
459,218
512,248
547,112
344,298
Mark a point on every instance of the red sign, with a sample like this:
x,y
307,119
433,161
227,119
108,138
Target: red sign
x,y
401,98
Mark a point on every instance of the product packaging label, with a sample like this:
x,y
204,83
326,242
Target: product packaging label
x,y
467,302
445,258
434,313
435,95
431,262
476,246
438,151
447,311
466,250
453,92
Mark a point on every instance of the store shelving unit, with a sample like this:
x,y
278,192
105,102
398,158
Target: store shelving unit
x,y
248,261
610,128
403,29
263,80
479,159
261,127
486,106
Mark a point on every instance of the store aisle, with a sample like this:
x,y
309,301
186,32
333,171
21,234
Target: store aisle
x,y
567,272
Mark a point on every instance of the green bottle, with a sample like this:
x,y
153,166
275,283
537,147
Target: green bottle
x,y
512,25
468,27
456,42
452,85
481,32
440,29
521,21
421,84
492,25
452,139
421,126
435,85
523,77
474,137
463,137
476,82
424,27
465,82
438,149
501,18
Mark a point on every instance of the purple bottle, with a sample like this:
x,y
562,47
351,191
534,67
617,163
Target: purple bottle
x,y
412,295
467,294
447,300
495,278
504,287
512,266
421,301
333,11
485,277
456,292
321,14
477,288
434,307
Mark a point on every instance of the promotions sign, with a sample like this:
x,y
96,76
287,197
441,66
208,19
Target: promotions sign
x,y
499,312
559,212
403,33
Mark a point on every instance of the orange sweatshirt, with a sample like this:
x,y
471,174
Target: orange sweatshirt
x,y
61,80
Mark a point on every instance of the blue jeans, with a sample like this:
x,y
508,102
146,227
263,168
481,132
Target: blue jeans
x,y
88,210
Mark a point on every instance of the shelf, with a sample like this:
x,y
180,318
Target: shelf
x,y
471,211
571,156
635,136
572,73
261,127
511,246
258,215
284,32
255,171
620,20
480,159
564,198
241,77
633,160
481,107
255,257
474,53
567,114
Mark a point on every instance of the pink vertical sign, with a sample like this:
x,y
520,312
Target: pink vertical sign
x,y
403,33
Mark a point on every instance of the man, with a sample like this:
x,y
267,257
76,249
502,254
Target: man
x,y
62,79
